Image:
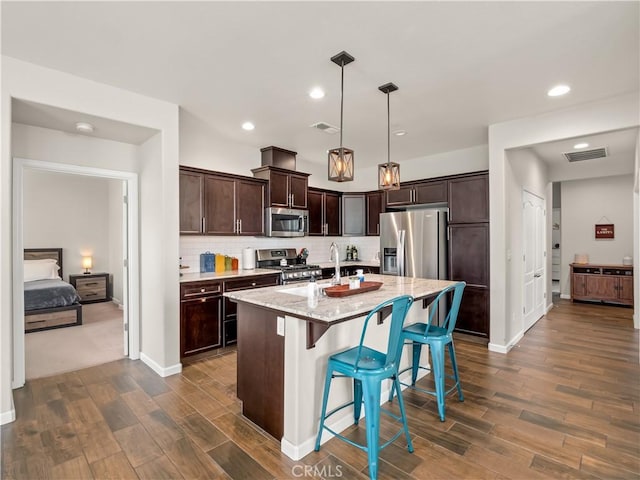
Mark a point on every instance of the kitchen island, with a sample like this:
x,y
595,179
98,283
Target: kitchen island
x,y
284,340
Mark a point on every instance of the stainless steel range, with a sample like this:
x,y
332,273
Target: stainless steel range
x,y
292,267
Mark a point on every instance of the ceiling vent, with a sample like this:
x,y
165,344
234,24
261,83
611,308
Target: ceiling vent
x,y
325,127
586,154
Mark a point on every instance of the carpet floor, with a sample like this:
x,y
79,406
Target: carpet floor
x,y
98,340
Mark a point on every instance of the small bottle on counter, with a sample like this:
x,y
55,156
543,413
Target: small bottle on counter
x,y
220,263
354,253
234,263
349,253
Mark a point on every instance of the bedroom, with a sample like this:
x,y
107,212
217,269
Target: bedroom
x,y
91,226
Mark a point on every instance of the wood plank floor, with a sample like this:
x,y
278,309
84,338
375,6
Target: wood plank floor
x,y
564,403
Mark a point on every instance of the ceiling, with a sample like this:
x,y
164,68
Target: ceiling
x,y
459,66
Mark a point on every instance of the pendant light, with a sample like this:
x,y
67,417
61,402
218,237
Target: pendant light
x,y
341,159
388,173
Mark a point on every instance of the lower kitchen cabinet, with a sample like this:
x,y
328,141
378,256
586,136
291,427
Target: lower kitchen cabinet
x,y
231,308
200,316
207,319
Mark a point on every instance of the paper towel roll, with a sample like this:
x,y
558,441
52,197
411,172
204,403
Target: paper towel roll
x,y
248,259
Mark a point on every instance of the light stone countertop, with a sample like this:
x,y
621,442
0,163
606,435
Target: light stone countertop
x,y
197,276
337,309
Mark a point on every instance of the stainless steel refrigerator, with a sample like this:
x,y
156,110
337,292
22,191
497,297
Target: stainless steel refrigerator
x,y
414,243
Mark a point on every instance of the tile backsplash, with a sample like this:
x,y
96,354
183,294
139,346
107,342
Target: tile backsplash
x,y
192,246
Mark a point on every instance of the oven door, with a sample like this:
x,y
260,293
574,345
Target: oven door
x,y
285,222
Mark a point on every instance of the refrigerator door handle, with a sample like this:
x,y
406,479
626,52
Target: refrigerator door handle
x,y
400,253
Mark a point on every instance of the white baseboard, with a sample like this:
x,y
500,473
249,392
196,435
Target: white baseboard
x,y
549,307
296,452
162,371
565,296
8,417
494,347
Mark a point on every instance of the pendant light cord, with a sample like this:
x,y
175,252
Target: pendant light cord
x,y
388,133
341,98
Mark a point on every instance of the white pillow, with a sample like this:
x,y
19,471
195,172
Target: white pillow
x,y
40,270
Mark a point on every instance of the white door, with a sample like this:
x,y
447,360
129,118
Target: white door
x,y
533,218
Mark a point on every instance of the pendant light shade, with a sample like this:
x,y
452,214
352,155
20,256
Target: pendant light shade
x,y
388,173
341,159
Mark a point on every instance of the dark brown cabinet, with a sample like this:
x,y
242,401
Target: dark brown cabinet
x,y
324,212
418,193
469,199
469,249
375,206
214,203
200,316
286,188
191,202
231,308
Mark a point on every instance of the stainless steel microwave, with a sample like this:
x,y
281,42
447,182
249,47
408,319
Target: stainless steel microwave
x,y
285,222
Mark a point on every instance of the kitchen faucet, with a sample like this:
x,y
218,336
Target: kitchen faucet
x,y
335,255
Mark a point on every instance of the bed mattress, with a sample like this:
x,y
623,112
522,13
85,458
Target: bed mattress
x,y
41,294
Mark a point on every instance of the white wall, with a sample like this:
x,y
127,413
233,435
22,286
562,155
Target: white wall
x,y
202,147
587,202
67,211
525,171
30,82
610,114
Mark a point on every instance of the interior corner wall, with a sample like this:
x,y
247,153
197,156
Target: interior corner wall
x,y
585,119
27,81
586,203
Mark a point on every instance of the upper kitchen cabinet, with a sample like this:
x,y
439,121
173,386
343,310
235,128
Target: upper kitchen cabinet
x,y
324,212
375,206
353,214
228,204
191,202
286,188
469,199
417,193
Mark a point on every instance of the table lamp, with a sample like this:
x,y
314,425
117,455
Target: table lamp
x,y
87,263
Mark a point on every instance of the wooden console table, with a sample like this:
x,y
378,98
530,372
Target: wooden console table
x,y
602,283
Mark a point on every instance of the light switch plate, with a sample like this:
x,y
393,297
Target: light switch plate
x,y
280,326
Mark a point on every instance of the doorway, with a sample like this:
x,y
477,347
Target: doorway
x,y
533,218
129,266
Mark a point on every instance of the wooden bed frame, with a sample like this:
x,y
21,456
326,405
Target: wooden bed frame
x,y
48,318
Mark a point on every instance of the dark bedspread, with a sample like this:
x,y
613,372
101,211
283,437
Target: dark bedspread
x,y
48,294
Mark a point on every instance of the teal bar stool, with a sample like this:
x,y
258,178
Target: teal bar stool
x,y
437,337
368,368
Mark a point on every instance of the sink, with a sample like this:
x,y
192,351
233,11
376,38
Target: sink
x,y
300,291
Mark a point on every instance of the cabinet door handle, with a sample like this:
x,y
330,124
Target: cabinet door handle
x,y
378,229
253,284
204,225
292,199
202,300
240,226
202,290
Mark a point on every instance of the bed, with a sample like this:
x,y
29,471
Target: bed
x,y
49,302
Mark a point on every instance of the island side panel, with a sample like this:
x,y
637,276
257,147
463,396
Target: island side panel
x,y
261,368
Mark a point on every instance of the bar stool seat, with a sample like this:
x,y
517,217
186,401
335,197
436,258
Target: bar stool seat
x,y
368,368
437,338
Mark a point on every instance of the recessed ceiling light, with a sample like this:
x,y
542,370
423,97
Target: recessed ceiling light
x,y
316,93
581,145
400,133
248,126
84,127
559,90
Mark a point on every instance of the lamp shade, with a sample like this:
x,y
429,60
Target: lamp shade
x,y
389,176
87,263
341,164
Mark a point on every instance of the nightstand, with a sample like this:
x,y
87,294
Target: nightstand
x,y
92,287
